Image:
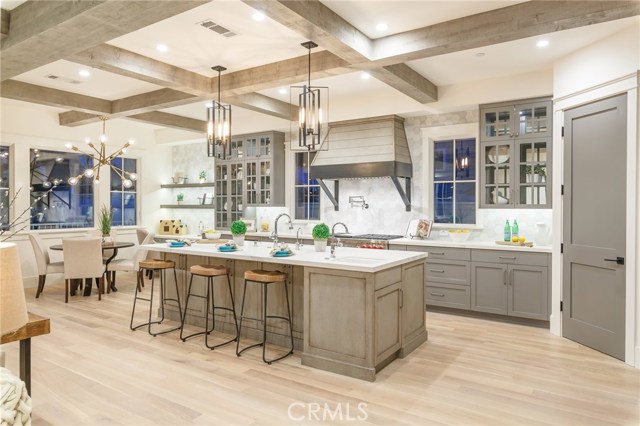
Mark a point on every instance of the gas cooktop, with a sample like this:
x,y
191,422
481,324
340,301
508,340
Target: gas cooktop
x,y
369,236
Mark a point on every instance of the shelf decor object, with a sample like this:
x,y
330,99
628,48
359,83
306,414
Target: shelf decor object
x,y
218,125
102,159
310,109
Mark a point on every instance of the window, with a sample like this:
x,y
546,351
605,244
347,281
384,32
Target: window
x,y
123,199
55,203
4,188
307,191
454,181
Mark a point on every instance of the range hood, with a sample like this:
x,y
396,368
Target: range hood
x,y
373,147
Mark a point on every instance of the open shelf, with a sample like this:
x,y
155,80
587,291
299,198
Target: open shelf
x,y
188,185
187,206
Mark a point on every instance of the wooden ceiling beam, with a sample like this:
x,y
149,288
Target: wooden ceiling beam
x,y
171,120
528,19
315,21
45,31
265,105
17,90
4,22
129,64
318,23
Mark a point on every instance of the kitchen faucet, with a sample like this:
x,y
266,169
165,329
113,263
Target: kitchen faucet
x,y
274,235
346,230
298,238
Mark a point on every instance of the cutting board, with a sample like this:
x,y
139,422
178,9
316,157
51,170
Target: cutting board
x,y
509,243
208,241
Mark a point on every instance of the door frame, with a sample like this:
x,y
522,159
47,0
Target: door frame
x,y
629,85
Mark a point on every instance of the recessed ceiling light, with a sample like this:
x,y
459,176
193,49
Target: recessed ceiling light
x,y
84,73
542,43
365,76
382,26
160,47
282,91
258,16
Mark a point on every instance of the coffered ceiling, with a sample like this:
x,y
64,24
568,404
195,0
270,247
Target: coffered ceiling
x,y
426,45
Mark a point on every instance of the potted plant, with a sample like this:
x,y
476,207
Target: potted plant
x,y
320,235
202,176
105,219
539,173
180,197
238,229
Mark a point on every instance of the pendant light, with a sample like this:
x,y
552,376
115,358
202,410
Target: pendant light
x,y
218,125
309,110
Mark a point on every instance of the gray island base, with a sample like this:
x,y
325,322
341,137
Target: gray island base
x,y
352,315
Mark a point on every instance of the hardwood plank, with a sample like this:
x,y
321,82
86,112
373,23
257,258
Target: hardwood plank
x,y
471,371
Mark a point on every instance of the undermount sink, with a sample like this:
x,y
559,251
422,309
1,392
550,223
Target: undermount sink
x,y
358,260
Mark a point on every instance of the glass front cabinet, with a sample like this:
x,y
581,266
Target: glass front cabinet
x,y
252,176
515,146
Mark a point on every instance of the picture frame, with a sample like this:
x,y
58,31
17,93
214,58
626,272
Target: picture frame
x,y
423,230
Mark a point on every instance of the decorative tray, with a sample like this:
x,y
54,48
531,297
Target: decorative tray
x,y
284,253
510,243
227,249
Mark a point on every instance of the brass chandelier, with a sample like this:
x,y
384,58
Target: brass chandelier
x,y
100,158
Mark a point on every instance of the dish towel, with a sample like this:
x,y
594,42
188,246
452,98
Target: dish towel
x,y
15,408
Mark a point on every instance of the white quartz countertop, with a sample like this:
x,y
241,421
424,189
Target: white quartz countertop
x,y
348,259
486,245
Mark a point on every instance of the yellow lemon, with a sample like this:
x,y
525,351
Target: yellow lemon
x,y
514,239
522,239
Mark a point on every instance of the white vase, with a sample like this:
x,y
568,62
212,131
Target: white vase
x,y
320,245
239,240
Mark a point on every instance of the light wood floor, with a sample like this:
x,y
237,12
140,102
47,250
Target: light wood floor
x,y
92,370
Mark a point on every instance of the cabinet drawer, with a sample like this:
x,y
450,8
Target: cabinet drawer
x,y
446,253
453,272
511,257
448,295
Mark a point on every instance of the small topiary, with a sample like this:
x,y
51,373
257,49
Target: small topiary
x,y
238,227
321,232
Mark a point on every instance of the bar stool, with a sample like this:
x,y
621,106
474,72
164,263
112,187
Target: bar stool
x,y
209,272
161,266
265,279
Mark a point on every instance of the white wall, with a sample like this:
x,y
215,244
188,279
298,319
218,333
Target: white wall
x,y
600,70
25,126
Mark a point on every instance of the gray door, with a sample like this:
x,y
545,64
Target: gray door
x,y
594,225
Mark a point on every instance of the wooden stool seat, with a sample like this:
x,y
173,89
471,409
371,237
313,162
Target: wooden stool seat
x,y
209,270
157,264
260,276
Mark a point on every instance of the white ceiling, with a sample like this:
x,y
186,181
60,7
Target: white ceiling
x,y
197,49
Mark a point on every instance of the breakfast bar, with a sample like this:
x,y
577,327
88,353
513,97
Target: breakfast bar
x,y
352,314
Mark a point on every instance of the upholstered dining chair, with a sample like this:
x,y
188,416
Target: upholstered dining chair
x,y
129,264
83,259
45,266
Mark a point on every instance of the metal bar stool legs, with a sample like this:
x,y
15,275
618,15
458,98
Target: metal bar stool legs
x,y
265,278
210,272
161,266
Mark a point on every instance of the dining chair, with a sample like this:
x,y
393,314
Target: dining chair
x,y
83,259
150,254
129,264
45,266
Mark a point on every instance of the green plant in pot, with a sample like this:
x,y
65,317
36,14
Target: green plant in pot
x,y
202,176
180,197
238,229
320,234
105,219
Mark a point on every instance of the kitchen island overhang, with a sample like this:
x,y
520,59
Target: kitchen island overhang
x,y
352,314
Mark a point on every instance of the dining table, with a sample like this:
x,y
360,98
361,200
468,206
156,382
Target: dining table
x,y
113,246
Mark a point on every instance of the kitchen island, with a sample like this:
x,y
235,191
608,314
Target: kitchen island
x,y
352,314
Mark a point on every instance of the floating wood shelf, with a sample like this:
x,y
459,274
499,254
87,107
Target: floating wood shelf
x,y
187,206
188,185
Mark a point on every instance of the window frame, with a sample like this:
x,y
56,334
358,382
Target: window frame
x,y
430,135
294,187
123,191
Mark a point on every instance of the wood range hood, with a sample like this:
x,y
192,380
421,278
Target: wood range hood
x,y
374,147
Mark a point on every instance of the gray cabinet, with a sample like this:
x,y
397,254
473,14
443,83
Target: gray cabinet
x,y
388,321
515,154
514,283
252,176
